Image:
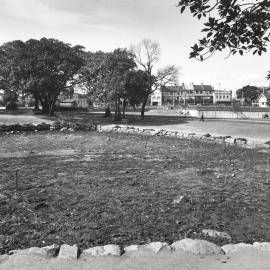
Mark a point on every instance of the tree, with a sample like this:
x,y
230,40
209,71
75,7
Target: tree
x,y
249,93
44,68
240,26
135,87
146,55
10,99
104,76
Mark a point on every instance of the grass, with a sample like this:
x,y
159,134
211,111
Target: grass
x,y
93,189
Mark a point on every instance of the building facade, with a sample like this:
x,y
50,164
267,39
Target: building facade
x,y
183,95
222,97
263,100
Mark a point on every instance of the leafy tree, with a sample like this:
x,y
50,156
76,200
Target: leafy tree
x,y
241,26
136,87
249,93
104,75
146,55
44,68
10,99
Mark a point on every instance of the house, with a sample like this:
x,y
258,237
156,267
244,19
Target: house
x,y
182,95
264,99
222,97
72,100
156,98
203,94
2,95
176,95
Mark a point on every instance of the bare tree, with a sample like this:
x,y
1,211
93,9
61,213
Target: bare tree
x,y
146,55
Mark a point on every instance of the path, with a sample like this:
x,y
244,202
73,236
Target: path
x,y
245,259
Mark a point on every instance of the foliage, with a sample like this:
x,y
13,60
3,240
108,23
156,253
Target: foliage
x,y
104,75
249,93
146,55
136,87
240,26
10,99
44,68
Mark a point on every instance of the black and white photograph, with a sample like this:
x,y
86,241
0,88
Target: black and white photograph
x,y
134,134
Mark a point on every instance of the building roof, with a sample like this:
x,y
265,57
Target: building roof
x,y
266,94
199,87
172,89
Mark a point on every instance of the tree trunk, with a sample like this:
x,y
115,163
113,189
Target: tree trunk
x,y
36,105
45,106
124,108
143,106
51,106
117,115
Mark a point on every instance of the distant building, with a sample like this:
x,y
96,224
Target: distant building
x,y
72,99
263,100
156,98
2,95
182,95
203,94
222,97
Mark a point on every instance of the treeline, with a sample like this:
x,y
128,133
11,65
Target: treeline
x,y
46,68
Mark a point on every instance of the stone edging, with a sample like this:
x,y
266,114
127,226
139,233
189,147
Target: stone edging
x,y
72,127
193,246
243,142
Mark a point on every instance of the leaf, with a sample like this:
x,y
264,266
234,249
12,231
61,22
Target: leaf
x,y
182,9
241,52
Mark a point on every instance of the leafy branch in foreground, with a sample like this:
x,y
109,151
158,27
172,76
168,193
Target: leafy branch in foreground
x,y
237,25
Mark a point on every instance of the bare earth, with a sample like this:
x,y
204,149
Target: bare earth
x,y
90,189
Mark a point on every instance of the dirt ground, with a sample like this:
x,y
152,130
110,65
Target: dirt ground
x,y
94,189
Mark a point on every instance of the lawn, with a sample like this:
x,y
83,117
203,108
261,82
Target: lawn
x,y
91,189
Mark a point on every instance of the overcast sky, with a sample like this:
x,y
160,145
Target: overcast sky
x,y
108,24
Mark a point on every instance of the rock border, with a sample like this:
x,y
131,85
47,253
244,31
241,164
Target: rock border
x,y
63,126
226,140
193,246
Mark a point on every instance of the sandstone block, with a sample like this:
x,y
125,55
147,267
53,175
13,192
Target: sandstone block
x,y
68,252
157,246
265,246
201,247
231,248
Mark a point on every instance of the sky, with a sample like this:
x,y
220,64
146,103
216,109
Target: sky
x,y
110,24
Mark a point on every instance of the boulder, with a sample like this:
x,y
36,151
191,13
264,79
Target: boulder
x,y
52,250
131,248
265,246
113,250
158,246
201,247
231,248
68,252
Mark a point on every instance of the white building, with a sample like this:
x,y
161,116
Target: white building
x,y
156,98
264,100
1,94
222,96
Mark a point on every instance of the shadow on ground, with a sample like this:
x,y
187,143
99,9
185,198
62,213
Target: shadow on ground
x,y
132,119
